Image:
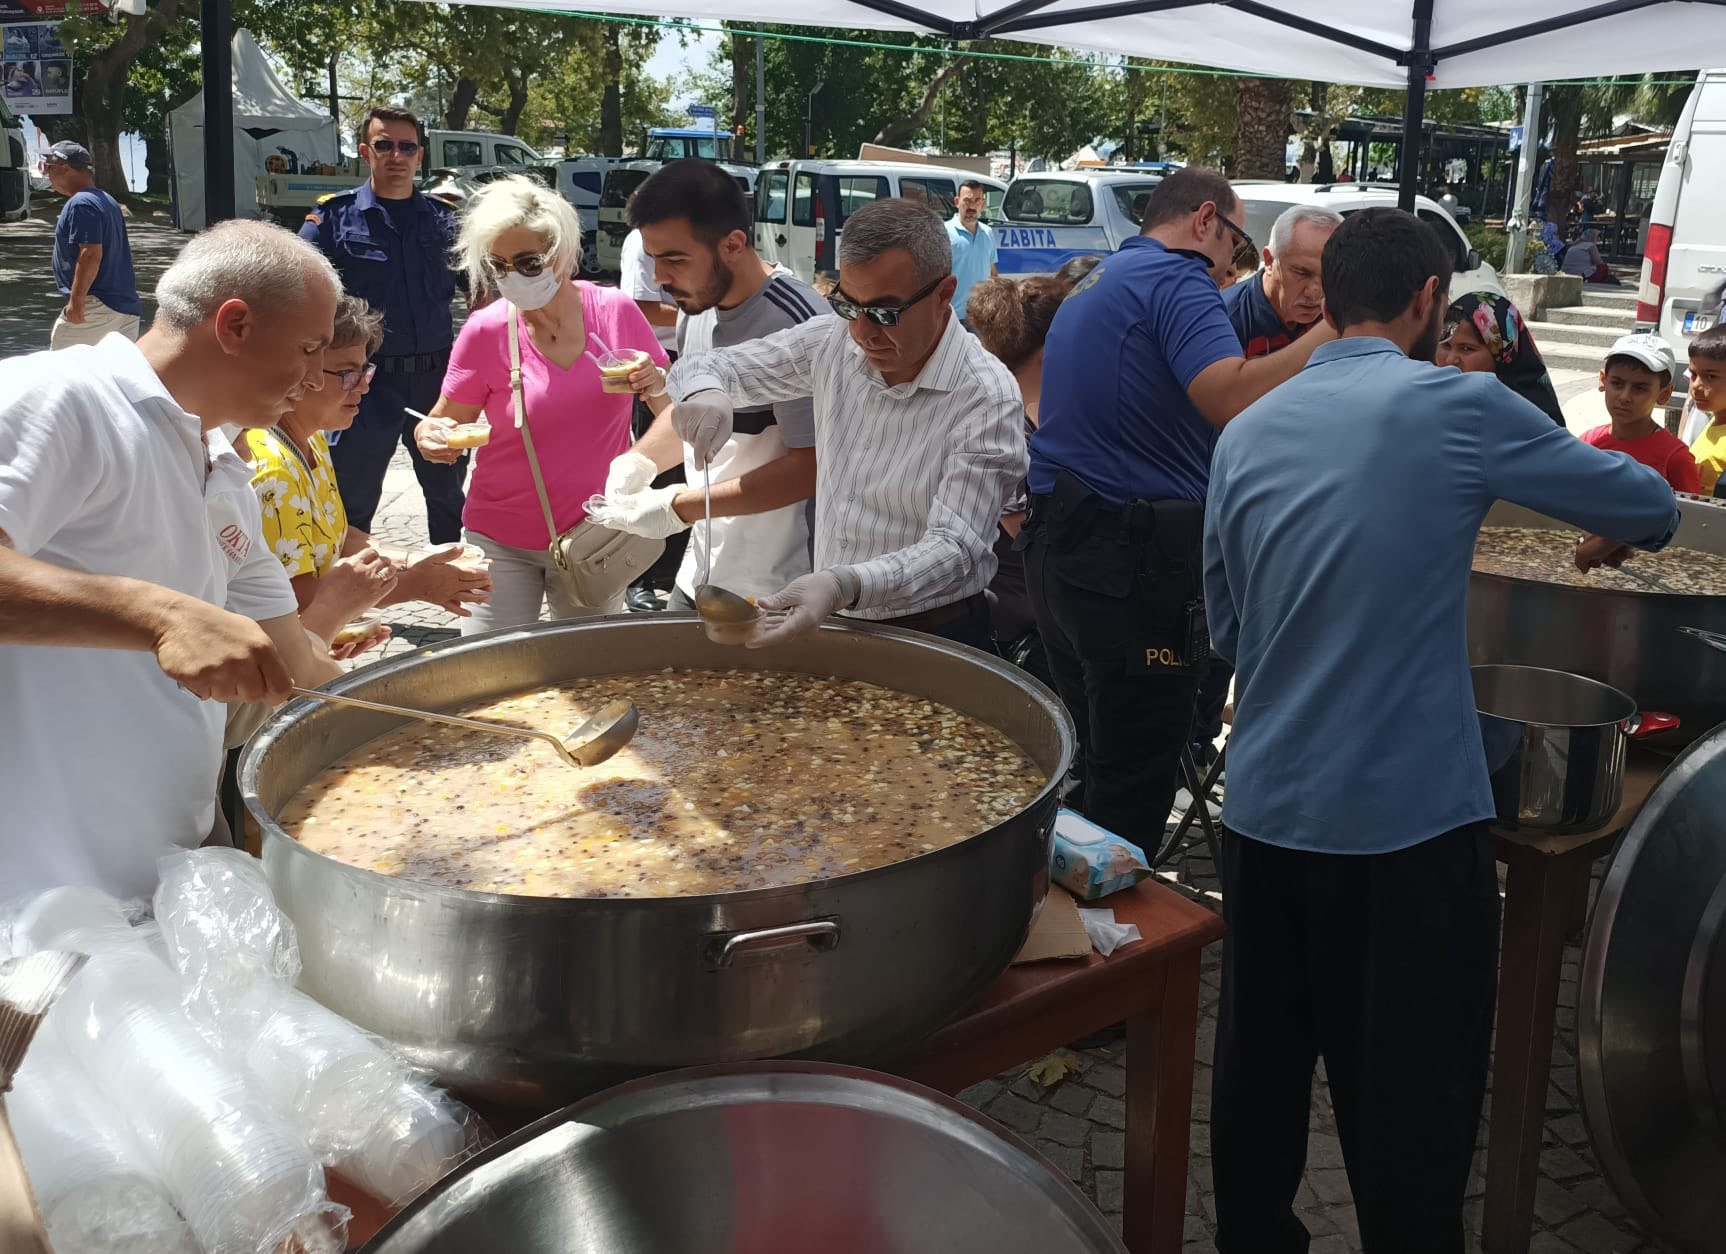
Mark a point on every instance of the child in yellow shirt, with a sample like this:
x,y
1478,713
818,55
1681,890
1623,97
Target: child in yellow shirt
x,y
1708,395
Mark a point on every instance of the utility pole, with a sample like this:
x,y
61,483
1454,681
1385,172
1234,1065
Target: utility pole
x,y
1527,164
760,100
809,119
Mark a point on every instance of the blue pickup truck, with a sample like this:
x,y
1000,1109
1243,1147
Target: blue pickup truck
x,y
1048,219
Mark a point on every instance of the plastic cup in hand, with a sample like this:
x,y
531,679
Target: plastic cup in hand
x,y
615,369
467,435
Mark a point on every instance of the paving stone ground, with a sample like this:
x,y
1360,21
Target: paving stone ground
x,y
1077,1124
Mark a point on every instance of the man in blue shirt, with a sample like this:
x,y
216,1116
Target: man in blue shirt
x,y
391,244
1140,369
1360,889
92,255
973,241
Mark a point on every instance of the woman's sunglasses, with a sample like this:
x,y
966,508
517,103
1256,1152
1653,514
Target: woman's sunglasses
x,y
351,380
528,265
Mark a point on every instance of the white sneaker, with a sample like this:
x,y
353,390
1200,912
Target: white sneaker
x,y
1184,802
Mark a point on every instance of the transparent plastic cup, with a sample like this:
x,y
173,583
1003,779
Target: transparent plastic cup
x,y
615,369
468,435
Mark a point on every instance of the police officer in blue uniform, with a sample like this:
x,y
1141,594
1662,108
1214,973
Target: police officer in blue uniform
x,y
391,244
1140,371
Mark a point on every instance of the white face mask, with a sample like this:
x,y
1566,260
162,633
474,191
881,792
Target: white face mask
x,y
525,293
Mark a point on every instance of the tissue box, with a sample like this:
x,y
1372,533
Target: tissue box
x,y
1091,861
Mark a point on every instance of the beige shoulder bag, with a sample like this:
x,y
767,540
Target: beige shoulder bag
x,y
598,562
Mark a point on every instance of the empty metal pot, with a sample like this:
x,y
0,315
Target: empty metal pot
x,y
756,1158
1555,745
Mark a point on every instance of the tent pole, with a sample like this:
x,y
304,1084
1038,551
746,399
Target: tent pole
x,y
1414,112
217,47
1527,165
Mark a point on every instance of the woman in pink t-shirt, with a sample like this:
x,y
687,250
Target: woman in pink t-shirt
x,y
523,240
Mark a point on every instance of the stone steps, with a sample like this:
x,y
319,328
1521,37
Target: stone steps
x,y
1603,297
1590,316
1600,337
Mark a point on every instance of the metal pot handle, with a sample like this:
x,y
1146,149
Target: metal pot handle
x,y
819,934
1645,723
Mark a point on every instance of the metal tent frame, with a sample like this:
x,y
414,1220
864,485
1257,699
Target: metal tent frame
x,y
1051,21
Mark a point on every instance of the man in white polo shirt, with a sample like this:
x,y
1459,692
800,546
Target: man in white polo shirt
x,y
126,521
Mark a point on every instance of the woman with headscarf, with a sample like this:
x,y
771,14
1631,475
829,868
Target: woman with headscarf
x,y
1484,331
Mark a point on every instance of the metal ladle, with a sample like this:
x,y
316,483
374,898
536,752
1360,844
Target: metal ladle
x,y
588,745
719,606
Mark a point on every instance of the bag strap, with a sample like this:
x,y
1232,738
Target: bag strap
x,y
527,434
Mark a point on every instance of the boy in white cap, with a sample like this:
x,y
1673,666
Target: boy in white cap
x,y
1637,379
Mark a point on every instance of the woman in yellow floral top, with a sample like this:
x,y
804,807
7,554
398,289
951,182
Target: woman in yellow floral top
x,y
336,573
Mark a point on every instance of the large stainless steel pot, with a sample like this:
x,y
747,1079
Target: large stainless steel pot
x,y
755,1158
1629,640
1651,1025
1555,745
536,1000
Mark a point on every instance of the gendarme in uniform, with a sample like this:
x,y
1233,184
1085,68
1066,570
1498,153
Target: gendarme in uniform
x,y
394,254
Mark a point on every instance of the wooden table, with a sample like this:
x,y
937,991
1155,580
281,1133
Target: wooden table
x,y
1153,984
1545,901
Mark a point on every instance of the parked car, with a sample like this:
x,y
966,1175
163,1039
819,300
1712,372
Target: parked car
x,y
14,169
1262,203
1684,256
620,182
1054,216
801,206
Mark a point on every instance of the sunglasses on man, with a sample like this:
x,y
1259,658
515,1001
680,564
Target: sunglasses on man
x,y
388,147
880,315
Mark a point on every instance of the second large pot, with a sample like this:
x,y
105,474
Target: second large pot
x,y
535,1001
1555,745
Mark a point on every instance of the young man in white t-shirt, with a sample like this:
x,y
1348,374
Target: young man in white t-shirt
x,y
126,523
696,225
635,277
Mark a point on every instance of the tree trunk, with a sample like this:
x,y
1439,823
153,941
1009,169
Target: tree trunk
x,y
461,103
1318,131
611,98
103,92
742,76
1263,109
903,128
516,81
156,158
1566,114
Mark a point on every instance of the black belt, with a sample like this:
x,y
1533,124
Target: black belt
x,y
415,363
1073,511
940,615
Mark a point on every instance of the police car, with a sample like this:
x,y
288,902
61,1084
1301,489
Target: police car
x,y
1052,217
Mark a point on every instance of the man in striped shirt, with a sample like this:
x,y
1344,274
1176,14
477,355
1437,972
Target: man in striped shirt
x,y
918,434
695,225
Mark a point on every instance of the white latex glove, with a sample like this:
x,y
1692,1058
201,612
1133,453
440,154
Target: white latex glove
x,y
647,513
628,474
797,608
703,420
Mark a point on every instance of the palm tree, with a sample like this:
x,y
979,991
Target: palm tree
x,y
1264,113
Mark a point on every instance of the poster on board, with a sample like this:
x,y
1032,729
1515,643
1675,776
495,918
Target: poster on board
x,y
35,68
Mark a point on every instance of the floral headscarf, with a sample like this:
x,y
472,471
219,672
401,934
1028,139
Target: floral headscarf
x,y
1517,362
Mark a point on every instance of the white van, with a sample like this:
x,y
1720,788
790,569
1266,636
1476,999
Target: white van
x,y
801,206
14,169
468,151
620,183
1684,257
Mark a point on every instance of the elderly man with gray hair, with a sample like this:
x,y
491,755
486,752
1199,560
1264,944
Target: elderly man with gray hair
x,y
919,435
127,523
1286,296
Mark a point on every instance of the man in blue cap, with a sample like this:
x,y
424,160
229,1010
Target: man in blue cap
x,y
92,256
391,245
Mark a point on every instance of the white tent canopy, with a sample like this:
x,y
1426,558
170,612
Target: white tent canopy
x,y
1467,43
266,118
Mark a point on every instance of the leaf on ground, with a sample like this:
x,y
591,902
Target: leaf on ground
x,y
1051,1069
